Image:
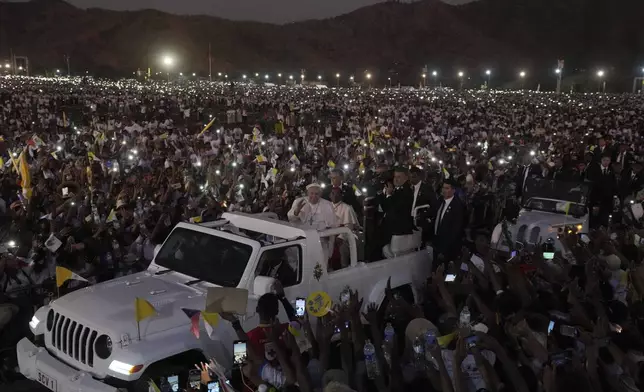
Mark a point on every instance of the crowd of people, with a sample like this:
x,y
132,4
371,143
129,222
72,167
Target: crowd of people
x,y
96,173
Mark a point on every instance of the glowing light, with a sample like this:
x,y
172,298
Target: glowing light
x,y
522,74
368,76
168,61
461,74
532,153
435,73
600,73
488,72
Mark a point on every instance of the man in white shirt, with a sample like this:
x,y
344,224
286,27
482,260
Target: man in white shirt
x,y
312,210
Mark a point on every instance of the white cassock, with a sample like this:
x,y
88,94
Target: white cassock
x,y
319,216
345,215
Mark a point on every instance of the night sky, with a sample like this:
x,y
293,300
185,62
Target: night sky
x,y
274,11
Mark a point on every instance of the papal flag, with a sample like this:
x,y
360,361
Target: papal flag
x,y
207,127
25,175
143,309
63,275
210,321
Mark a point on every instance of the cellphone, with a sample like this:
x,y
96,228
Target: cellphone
x,y
548,255
300,304
174,382
194,378
584,238
513,254
568,330
450,277
239,352
213,386
551,326
65,191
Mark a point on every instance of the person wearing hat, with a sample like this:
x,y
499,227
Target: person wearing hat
x,y
449,225
312,210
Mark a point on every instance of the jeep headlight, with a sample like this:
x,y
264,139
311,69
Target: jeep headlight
x,y
103,347
36,324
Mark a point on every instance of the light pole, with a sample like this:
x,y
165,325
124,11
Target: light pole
x,y
558,71
351,79
460,77
638,79
369,78
522,76
389,79
435,75
168,61
337,79
266,77
424,78
602,82
488,73
319,77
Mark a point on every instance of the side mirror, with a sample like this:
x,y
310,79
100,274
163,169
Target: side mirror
x,y
157,249
263,285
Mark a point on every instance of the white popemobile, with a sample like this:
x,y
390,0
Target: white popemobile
x,y
90,335
549,208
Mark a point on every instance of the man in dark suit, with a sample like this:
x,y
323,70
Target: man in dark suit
x,y
603,188
449,225
396,203
602,149
560,171
623,156
348,194
631,181
424,194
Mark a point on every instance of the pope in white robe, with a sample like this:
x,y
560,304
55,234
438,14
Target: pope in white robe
x,y
312,210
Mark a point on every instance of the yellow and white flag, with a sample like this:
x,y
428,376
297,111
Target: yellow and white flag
x,y
143,309
207,127
111,217
63,275
210,320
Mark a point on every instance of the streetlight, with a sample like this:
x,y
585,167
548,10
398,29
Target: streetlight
x,y
558,72
290,77
256,74
7,65
337,79
319,77
351,78
389,79
602,82
489,74
460,77
522,76
194,74
266,76
424,76
168,61
279,75
244,76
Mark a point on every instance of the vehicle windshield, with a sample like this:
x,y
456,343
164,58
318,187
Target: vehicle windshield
x,y
216,260
556,207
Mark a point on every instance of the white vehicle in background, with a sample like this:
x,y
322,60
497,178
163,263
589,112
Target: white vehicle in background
x,y
90,335
549,209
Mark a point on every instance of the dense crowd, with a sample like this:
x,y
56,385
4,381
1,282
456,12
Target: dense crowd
x,y
94,174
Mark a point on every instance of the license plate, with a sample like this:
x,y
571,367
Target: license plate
x,y
47,381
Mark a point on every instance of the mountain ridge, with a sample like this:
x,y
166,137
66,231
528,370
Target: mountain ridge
x,y
389,38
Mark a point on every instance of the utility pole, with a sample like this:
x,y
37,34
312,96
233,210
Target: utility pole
x,y
68,68
209,62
